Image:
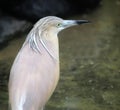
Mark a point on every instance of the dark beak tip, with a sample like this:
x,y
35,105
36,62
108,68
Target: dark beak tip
x,y
83,21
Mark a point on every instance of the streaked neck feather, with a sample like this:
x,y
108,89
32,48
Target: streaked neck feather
x,y
34,39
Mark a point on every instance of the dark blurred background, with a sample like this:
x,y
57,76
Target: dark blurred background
x,y
15,13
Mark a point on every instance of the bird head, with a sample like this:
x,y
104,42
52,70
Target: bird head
x,y
46,30
55,24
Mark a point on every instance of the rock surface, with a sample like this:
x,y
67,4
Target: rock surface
x,y
35,9
9,26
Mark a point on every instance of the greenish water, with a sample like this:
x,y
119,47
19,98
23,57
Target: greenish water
x,y
89,60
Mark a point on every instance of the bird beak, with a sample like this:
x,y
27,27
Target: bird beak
x,y
69,23
78,22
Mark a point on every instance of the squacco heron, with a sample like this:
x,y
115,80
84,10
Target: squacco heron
x,y
35,71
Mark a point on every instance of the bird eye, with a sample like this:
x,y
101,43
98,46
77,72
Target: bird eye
x,y
59,25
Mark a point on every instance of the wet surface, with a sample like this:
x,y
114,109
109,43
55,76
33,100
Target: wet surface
x,y
89,59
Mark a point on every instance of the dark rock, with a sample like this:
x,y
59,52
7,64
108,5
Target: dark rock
x,y
35,9
10,26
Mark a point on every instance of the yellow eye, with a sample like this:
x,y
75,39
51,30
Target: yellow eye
x,y
59,25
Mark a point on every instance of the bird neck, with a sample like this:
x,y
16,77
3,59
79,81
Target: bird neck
x,y
50,43
44,42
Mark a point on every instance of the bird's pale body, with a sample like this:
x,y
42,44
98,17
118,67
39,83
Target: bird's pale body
x,y
33,80
35,71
